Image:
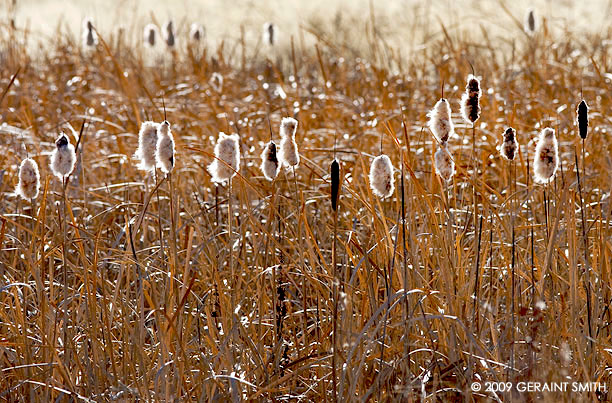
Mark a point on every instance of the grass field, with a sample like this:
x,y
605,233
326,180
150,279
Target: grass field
x,y
129,285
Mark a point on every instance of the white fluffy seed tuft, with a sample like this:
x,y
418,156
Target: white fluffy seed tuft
x,y
196,33
444,164
147,146
29,180
546,158
440,122
269,162
216,82
381,176
288,154
63,157
164,154
227,161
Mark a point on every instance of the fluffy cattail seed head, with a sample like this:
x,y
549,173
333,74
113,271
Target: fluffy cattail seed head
x,y
381,176
510,146
470,102
90,38
335,183
288,154
530,21
196,33
63,157
216,82
227,161
169,34
147,146
546,159
583,118
151,33
444,164
440,122
29,180
270,34
164,153
269,163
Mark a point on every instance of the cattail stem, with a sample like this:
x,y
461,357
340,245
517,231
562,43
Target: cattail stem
x,y
404,252
171,209
587,281
335,312
474,174
161,235
301,257
229,238
513,214
64,269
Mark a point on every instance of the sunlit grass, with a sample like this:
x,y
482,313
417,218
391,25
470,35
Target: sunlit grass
x,y
163,302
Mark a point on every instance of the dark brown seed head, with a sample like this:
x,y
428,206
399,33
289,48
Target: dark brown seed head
x,y
509,146
335,183
62,141
271,155
470,102
583,118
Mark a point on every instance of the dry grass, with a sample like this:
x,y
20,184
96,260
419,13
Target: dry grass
x,y
155,310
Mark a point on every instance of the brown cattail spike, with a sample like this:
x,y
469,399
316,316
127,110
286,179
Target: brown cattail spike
x,y
530,22
470,102
335,183
510,146
583,118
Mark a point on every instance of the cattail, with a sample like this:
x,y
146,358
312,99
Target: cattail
x,y
530,21
29,180
440,122
335,183
150,35
90,38
227,158
147,146
216,82
583,118
444,164
510,146
288,154
270,34
196,33
546,159
381,176
269,163
169,34
164,154
63,157
470,102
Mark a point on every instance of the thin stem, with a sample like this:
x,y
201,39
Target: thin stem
x,y
587,281
229,237
301,257
64,269
335,301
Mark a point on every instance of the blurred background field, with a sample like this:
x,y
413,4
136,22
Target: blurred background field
x,y
406,24
144,294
